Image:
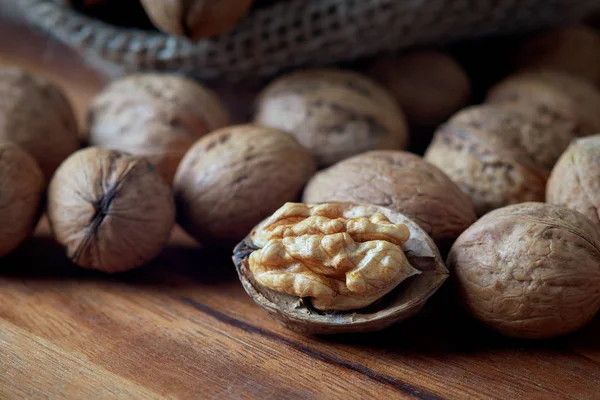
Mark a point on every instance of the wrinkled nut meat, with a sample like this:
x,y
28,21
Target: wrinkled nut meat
x,y
429,86
339,267
491,172
21,192
158,116
335,114
112,211
36,115
529,270
196,19
233,178
573,49
575,180
552,98
402,182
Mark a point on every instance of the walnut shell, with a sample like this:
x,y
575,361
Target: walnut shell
x,y
552,98
405,300
480,163
196,19
429,85
110,210
529,270
335,114
543,143
233,178
36,115
21,192
575,180
402,182
572,49
158,116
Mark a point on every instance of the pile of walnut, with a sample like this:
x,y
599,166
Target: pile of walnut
x,y
338,228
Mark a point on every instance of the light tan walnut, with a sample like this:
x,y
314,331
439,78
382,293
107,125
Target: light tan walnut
x,y
235,177
335,114
110,210
36,115
529,270
21,192
552,97
403,182
575,180
428,85
158,116
339,267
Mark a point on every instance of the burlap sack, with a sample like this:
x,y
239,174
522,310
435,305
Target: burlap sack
x,y
300,33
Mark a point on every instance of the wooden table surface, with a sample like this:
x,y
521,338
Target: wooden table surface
x,y
182,327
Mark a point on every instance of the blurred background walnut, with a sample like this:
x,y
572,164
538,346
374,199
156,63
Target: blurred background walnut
x,y
110,210
21,192
335,114
529,270
158,116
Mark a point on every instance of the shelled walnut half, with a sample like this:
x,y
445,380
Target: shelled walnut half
x,y
339,267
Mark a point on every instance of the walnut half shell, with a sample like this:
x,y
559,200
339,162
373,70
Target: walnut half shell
x,y
362,267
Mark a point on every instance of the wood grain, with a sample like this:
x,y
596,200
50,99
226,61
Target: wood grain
x,y
182,327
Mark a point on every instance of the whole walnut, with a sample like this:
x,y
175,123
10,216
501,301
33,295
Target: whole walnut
x,y
335,114
110,210
158,116
36,115
196,19
552,98
573,49
428,85
339,267
492,173
234,177
402,182
529,270
21,192
575,180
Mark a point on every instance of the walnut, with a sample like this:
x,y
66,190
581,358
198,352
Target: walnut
x,y
334,113
157,116
233,178
112,211
552,98
36,115
339,267
428,85
196,19
529,270
573,49
402,182
575,179
486,167
21,192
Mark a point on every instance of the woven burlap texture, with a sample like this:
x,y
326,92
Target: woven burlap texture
x,y
301,33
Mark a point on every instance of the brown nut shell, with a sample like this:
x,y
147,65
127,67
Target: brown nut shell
x,y
573,49
235,177
429,86
491,174
401,303
575,180
110,210
335,114
36,115
196,19
552,97
401,181
21,192
158,116
529,270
